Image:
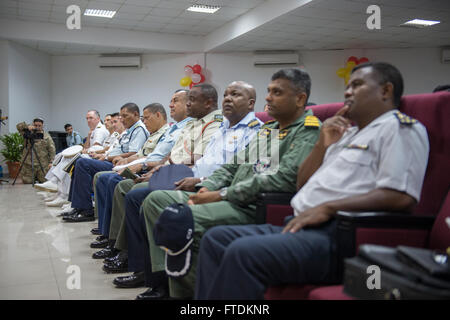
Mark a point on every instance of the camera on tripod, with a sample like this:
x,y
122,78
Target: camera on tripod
x,y
33,134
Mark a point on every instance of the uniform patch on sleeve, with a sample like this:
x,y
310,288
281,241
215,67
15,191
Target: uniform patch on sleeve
x,y
357,146
404,119
218,118
312,122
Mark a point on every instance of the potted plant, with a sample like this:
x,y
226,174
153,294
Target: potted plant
x,y
12,152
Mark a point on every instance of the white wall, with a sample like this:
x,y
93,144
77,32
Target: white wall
x,y
78,84
4,84
29,85
421,68
24,85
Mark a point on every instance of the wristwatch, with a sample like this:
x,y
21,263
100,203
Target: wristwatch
x,y
144,166
223,193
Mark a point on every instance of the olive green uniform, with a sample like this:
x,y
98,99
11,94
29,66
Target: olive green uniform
x,y
45,150
244,182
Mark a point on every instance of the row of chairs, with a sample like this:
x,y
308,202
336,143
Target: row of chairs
x,y
425,227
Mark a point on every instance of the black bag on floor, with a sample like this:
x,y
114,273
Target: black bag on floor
x,y
401,273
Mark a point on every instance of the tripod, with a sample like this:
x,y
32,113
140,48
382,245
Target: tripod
x,y
30,141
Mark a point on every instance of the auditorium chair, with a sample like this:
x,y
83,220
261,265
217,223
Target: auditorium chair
x,y
382,228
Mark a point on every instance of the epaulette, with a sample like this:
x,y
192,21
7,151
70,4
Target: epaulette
x,y
252,124
217,118
312,122
98,126
270,121
404,119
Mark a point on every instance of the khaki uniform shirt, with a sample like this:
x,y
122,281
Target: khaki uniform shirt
x,y
194,138
152,141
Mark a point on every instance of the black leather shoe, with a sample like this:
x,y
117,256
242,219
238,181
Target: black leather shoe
x,y
68,213
122,255
154,294
134,280
81,216
100,244
95,231
105,253
118,266
100,237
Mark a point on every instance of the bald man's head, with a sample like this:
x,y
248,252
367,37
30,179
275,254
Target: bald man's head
x,y
246,87
238,100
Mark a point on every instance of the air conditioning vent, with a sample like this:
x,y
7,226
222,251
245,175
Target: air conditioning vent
x,y
119,61
275,58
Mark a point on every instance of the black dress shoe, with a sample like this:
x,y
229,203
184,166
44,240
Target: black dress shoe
x,y
122,255
154,294
118,266
68,213
100,244
134,280
95,231
105,253
81,216
100,237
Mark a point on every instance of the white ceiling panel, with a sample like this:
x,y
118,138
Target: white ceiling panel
x,y
103,5
326,24
126,8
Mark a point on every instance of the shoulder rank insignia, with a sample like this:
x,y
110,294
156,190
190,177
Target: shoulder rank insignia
x,y
404,119
357,146
252,124
283,133
218,118
312,122
265,131
270,121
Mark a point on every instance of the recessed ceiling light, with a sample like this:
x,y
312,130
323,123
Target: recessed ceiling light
x,y
420,23
203,8
99,13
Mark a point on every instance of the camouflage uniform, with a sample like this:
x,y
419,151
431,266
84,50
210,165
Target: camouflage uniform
x,y
244,182
45,150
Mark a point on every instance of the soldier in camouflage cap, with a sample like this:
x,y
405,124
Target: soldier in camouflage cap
x,y
45,150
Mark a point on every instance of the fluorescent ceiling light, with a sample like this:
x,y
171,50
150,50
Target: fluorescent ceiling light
x,y
421,23
203,8
99,13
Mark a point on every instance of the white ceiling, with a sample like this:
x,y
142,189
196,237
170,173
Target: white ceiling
x,y
240,25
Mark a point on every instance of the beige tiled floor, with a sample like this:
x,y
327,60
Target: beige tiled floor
x,y
36,249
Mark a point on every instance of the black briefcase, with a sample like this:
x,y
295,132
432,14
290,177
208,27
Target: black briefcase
x,y
402,273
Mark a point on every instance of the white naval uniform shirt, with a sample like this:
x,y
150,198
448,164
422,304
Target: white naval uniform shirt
x,y
99,135
116,142
110,140
384,154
